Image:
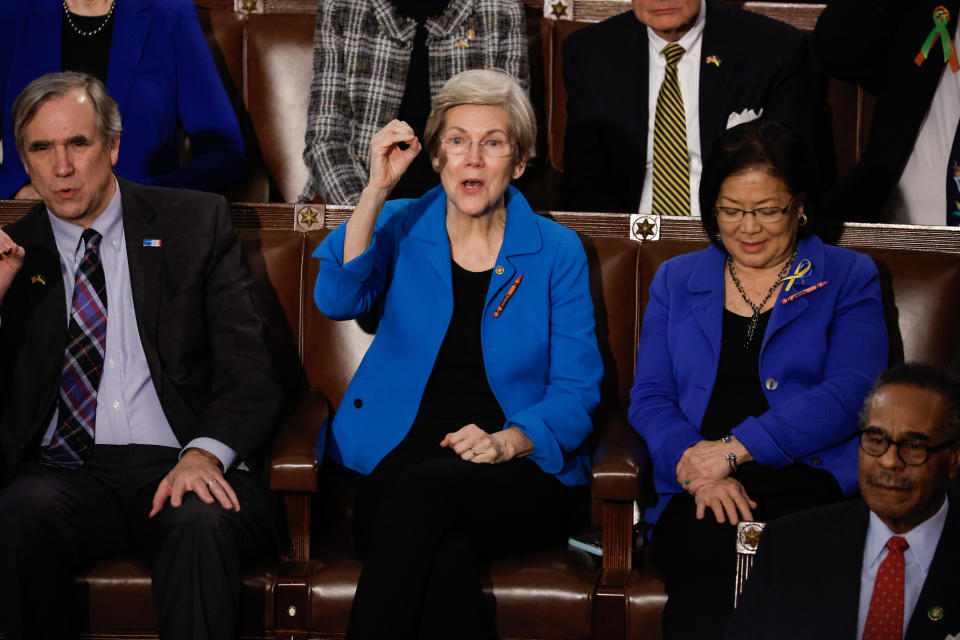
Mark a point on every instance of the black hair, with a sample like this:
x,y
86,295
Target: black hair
x,y
923,376
765,145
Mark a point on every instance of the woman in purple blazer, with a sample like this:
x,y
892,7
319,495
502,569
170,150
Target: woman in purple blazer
x,y
755,357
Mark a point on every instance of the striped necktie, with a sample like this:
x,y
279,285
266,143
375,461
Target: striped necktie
x,y
73,436
671,161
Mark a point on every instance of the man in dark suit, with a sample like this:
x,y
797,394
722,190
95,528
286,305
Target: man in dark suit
x,y
890,563
136,387
735,66
905,168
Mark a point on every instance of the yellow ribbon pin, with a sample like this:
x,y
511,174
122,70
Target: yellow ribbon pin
x,y
803,268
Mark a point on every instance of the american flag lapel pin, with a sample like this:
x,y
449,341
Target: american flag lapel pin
x,y
714,60
38,278
151,242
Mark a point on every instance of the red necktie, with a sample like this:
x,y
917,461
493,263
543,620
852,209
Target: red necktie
x,y
885,616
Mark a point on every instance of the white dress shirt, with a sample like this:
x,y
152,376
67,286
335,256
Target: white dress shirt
x,y
921,195
688,76
923,540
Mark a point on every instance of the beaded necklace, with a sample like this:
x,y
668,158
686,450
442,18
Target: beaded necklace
x,y
66,12
757,307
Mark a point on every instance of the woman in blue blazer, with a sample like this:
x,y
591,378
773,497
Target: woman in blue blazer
x,y
755,357
469,412
158,69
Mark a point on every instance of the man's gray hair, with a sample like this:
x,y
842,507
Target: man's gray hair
x,y
57,85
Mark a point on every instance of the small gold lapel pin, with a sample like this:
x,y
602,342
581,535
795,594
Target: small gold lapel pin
x,y
38,278
935,613
714,60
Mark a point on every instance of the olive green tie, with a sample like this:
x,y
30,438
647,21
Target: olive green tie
x,y
671,161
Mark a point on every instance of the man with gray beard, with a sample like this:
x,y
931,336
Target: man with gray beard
x,y
886,567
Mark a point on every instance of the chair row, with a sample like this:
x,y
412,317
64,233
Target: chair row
x,y
265,57
557,594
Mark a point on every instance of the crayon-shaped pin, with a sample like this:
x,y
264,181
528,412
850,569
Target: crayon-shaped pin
x,y
800,294
506,298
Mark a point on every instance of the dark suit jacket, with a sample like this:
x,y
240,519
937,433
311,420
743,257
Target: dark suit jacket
x,y
198,316
161,74
873,43
763,64
806,579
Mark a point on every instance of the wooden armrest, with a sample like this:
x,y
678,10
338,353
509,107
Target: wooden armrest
x,y
293,465
620,461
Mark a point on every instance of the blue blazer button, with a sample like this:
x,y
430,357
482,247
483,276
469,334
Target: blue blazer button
x,y
357,402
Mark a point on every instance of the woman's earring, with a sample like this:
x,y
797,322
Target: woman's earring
x,y
803,219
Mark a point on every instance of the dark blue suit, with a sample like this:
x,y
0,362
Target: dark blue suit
x,y
161,74
820,356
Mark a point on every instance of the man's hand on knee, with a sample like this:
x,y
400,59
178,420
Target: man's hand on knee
x,y
197,471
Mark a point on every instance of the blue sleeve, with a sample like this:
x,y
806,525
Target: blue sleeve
x,y
654,399
561,421
346,291
826,414
216,145
12,175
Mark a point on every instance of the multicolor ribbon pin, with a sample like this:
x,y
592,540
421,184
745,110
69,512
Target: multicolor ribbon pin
x,y
940,19
803,268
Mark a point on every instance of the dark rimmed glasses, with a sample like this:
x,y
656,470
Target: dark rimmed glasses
x,y
732,215
912,451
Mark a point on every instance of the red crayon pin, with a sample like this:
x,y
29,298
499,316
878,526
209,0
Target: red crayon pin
x,y
800,294
506,298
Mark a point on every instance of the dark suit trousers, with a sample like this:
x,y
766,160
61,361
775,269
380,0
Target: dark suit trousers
x,y
57,523
429,528
698,557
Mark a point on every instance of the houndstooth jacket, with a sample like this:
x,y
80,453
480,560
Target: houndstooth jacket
x,y
361,54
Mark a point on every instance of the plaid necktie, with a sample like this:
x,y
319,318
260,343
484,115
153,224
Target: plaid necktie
x,y
885,615
671,161
73,437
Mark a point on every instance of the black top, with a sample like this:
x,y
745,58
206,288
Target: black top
x,y
458,393
737,394
415,106
89,54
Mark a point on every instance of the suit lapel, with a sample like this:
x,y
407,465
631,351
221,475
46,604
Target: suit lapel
x,y
706,285
842,561
129,34
146,269
636,107
45,295
783,314
520,236
937,613
430,226
712,77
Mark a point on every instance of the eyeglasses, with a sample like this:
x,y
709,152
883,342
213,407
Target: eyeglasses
x,y
732,215
493,147
913,452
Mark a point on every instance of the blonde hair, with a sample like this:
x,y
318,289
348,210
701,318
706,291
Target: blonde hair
x,y
490,87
